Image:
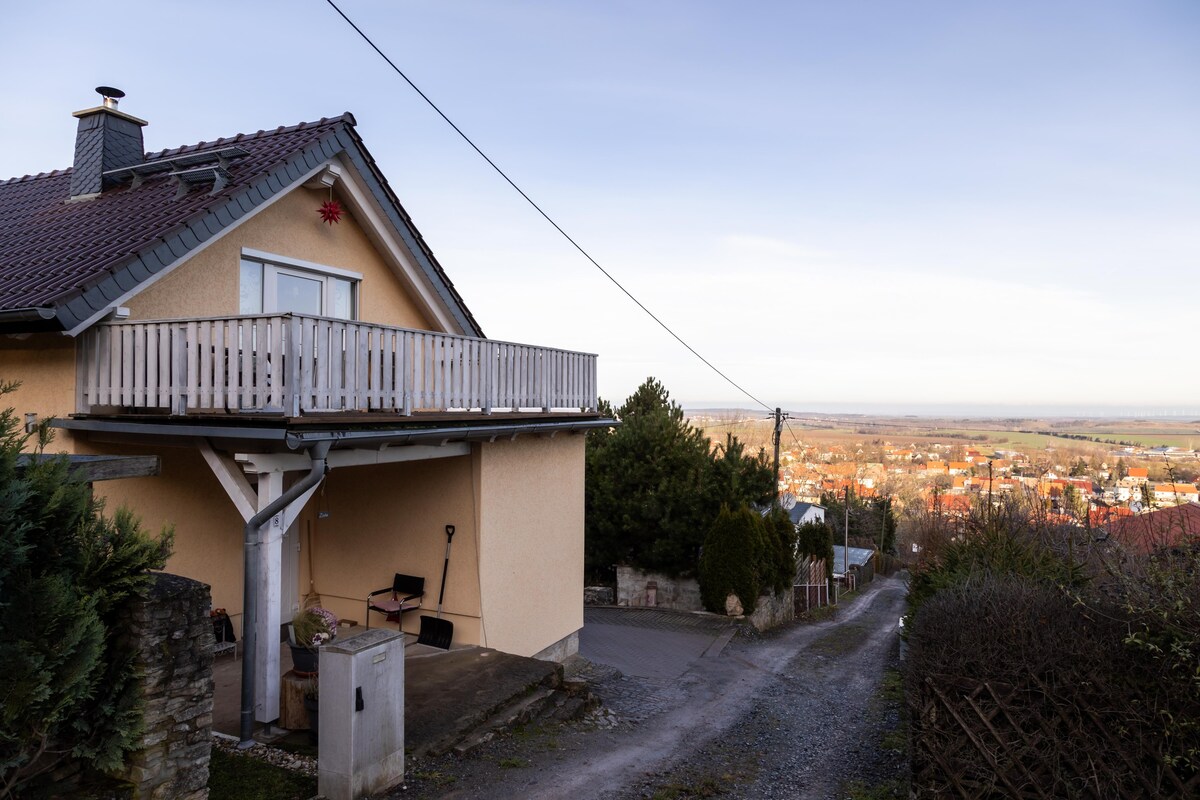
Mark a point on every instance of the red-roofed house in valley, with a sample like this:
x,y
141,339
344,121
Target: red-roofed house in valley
x,y
261,315
1175,493
1167,527
1139,474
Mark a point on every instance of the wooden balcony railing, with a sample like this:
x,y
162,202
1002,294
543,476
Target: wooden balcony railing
x,y
291,364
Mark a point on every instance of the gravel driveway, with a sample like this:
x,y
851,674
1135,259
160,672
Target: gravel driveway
x,y
791,714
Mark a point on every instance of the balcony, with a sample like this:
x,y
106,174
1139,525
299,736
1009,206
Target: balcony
x,y
291,365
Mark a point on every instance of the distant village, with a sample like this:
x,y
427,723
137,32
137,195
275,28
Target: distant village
x,y
949,476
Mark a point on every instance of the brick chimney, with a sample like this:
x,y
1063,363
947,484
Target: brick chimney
x,y
107,139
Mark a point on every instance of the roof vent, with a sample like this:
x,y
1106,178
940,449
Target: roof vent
x,y
107,139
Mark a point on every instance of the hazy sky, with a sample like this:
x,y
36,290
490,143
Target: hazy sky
x,y
835,202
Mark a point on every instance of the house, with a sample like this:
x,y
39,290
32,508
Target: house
x,y
1175,493
1143,534
804,513
261,313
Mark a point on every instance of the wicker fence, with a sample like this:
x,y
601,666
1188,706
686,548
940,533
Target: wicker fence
x,y
975,739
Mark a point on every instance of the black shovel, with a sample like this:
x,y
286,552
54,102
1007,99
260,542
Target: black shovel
x,y
435,631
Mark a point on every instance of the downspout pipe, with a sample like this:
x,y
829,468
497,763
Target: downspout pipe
x,y
250,588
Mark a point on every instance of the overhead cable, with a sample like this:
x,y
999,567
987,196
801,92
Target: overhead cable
x,y
538,208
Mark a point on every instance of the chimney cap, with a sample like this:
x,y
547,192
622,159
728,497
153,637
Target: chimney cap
x,y
110,95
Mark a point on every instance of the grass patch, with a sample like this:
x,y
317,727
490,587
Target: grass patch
x,y
891,688
512,763
438,779
243,778
705,787
817,614
889,697
840,641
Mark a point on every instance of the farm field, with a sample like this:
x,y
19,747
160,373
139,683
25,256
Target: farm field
x,y
1007,433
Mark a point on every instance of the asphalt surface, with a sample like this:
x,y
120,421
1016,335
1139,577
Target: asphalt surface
x,y
688,712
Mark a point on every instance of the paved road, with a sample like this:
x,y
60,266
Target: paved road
x,y
789,715
651,643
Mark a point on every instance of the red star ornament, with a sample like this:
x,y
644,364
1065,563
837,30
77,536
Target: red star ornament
x,y
331,211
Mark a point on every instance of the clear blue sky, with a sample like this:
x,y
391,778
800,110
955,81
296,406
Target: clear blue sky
x,y
851,202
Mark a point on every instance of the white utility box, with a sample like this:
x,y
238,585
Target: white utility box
x,y
360,750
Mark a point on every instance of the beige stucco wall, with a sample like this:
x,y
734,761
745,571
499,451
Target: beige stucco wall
x,y
207,284
390,518
186,496
44,363
531,541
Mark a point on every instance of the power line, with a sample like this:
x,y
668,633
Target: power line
x,y
538,208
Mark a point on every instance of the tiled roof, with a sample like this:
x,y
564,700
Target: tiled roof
x,y
76,257
52,247
1166,527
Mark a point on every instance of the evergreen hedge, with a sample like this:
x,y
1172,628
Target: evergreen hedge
x,y
68,574
733,560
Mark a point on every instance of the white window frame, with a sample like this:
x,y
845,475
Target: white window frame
x,y
275,265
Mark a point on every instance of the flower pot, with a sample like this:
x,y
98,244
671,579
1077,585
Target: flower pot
x,y
304,660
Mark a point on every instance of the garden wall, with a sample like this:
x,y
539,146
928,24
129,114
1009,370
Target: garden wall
x,y
653,589
773,609
174,638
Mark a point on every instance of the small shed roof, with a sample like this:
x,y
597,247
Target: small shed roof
x,y
858,557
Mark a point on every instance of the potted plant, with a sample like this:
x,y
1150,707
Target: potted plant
x,y
310,628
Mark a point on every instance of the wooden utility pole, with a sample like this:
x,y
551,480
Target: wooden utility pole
x,y
989,511
846,543
882,526
779,418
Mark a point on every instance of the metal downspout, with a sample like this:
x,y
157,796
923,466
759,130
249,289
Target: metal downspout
x,y
250,587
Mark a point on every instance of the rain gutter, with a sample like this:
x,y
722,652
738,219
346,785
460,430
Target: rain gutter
x,y
299,439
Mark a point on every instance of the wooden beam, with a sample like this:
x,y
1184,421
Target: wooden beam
x,y
232,479
102,467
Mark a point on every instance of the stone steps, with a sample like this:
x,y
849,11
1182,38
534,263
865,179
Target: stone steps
x,y
555,704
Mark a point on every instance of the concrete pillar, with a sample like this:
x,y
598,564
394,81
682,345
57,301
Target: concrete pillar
x,y
361,744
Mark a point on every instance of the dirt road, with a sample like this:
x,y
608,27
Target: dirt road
x,y
789,715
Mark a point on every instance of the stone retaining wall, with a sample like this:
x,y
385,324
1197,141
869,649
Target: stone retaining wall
x,y
773,609
655,590
175,653
651,589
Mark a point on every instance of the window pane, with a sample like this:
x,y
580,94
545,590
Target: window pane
x,y
341,298
250,288
301,295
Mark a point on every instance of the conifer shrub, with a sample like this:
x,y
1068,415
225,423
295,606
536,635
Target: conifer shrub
x,y
780,535
815,540
733,560
68,575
